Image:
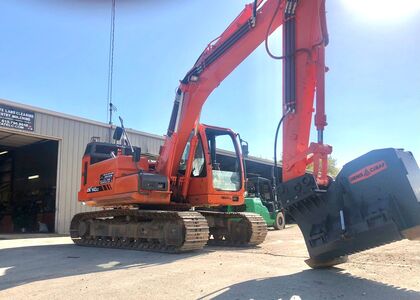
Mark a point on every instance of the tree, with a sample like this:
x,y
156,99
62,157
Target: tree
x,y
332,167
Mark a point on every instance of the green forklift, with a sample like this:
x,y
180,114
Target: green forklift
x,y
260,199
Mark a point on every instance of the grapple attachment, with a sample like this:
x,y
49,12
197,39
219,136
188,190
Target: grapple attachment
x,y
374,200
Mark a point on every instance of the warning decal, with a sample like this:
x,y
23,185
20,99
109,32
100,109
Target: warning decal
x,y
106,178
367,172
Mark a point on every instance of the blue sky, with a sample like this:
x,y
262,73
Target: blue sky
x,y
54,54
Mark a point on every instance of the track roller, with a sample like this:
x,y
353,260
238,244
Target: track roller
x,y
235,229
159,231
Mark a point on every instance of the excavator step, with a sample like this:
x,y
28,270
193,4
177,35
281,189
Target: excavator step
x,y
146,230
235,229
374,200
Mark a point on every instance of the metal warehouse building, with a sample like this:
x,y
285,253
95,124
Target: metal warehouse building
x,y
40,165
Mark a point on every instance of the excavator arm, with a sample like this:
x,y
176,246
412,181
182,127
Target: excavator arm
x,y
304,38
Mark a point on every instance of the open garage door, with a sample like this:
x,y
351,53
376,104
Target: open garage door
x,y
28,178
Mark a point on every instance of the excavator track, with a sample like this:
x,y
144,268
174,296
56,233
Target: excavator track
x,y
237,229
156,231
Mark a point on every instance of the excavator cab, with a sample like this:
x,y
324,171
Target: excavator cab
x,y
211,180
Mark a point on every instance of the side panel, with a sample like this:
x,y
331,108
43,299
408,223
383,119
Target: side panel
x,y
117,181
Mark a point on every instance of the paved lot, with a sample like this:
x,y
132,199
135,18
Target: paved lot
x,y
53,268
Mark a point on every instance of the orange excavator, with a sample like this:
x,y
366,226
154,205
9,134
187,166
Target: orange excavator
x,y
168,204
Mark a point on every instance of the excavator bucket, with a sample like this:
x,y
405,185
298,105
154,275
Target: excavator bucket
x,y
374,200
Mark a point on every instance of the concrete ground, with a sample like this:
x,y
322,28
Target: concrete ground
x,y
54,268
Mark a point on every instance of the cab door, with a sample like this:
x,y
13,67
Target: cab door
x,y
216,176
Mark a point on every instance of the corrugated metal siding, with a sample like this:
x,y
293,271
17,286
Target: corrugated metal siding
x,y
73,134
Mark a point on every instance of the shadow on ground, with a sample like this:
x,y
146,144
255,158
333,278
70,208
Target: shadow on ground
x,y
28,264
312,284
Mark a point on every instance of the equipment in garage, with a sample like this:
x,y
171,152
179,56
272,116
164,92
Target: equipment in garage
x,y
28,178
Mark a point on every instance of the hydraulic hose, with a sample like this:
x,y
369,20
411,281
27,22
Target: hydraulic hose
x,y
275,169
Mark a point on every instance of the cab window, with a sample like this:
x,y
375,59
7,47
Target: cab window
x,y
199,163
226,170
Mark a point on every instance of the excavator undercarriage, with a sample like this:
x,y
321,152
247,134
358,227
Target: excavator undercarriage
x,y
166,231
160,231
